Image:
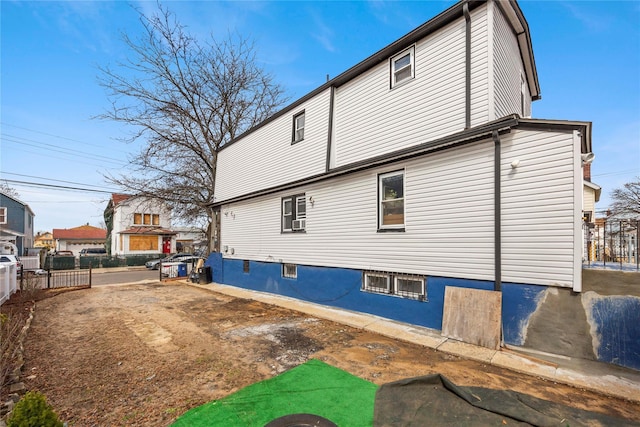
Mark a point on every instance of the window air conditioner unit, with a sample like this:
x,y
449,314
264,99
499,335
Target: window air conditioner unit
x,y
299,224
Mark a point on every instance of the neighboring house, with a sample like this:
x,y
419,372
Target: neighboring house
x,y
414,173
44,240
590,196
78,238
189,239
138,226
16,223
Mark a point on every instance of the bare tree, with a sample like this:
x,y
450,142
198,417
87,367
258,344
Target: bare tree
x,y
185,100
9,191
626,200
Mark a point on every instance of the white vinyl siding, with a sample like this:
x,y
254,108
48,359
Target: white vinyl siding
x,y
538,208
266,158
449,216
448,220
479,67
508,70
371,120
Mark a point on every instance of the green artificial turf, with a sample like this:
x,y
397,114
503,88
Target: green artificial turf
x,y
312,388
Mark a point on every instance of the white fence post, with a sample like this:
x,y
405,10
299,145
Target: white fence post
x,y
8,282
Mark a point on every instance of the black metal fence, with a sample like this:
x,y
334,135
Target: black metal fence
x,y
55,279
612,243
63,262
68,279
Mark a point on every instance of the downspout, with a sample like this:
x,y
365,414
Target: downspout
x,y
497,213
330,136
467,113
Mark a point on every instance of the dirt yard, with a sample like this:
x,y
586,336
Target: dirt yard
x,y
141,355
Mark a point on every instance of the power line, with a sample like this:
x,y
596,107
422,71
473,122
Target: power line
x,y
59,187
47,134
63,150
616,173
51,156
56,180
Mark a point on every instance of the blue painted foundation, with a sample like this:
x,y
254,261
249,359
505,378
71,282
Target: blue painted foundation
x,y
519,302
617,321
340,287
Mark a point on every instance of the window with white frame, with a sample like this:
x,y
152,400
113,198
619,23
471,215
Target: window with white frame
x,y
409,286
404,285
3,215
298,127
290,271
403,67
391,201
294,213
377,282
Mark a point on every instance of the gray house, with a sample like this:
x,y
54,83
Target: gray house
x,y
16,222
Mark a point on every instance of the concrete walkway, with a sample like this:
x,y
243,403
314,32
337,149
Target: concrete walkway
x,y
601,377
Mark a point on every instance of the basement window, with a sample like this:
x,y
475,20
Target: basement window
x,y
409,286
290,271
377,282
412,286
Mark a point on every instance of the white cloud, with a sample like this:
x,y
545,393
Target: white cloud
x,y
322,33
593,21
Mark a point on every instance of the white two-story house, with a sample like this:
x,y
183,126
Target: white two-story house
x,y
416,170
138,226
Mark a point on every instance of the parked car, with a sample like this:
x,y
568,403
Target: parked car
x,y
63,253
154,264
10,259
93,251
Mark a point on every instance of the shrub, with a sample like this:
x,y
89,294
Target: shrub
x,y
11,323
33,411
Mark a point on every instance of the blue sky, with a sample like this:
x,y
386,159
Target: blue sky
x,y
587,54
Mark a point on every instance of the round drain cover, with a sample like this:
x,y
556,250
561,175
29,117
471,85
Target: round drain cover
x,y
300,420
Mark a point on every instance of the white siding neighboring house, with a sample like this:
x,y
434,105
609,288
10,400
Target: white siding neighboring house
x,y
189,239
78,238
139,226
591,197
420,169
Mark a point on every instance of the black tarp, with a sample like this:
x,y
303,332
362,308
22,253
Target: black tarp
x,y
433,400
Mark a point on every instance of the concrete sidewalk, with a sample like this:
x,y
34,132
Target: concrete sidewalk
x,y
600,377
118,269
